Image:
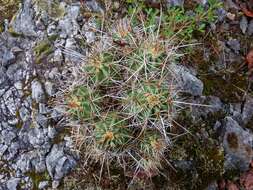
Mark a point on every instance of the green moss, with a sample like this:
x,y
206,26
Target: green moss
x,y
201,150
52,38
1,28
20,122
37,178
207,162
211,163
42,47
42,50
14,33
53,8
228,85
229,90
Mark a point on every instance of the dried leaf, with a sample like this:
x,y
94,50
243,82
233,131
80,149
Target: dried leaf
x,y
249,59
244,8
247,12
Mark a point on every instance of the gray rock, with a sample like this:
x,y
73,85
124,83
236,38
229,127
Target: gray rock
x,y
16,50
19,86
68,25
13,121
59,164
43,109
250,27
3,77
205,105
12,184
217,125
73,11
15,72
57,113
24,23
36,137
53,157
49,87
43,184
88,32
4,125
39,163
234,44
93,5
13,150
7,136
42,120
244,24
33,160
24,114
175,2
2,187
55,184
187,82
9,102
221,13
71,46
51,30
6,25
63,166
245,115
6,55
3,148
7,58
237,144
51,132
202,2
184,165
247,112
54,72
68,141
23,163
37,91
237,116
58,57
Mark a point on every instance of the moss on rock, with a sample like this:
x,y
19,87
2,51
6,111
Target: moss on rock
x,y
37,178
206,161
42,50
14,33
197,156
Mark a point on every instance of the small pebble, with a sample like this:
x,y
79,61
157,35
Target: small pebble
x,y
231,16
244,24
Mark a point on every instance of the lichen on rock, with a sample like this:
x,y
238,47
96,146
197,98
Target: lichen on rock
x,y
54,8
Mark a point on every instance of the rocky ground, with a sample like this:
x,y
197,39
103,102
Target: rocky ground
x,y
36,48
